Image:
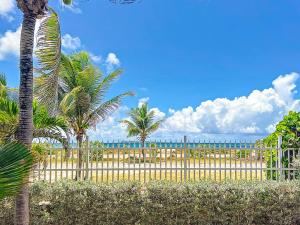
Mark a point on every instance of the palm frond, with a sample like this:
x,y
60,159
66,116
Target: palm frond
x,y
15,164
105,84
42,119
106,109
153,127
51,134
48,54
3,79
68,103
132,129
3,88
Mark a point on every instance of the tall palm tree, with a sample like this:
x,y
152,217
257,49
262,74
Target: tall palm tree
x,y
81,95
32,9
141,124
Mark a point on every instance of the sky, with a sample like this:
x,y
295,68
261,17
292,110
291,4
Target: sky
x,y
211,69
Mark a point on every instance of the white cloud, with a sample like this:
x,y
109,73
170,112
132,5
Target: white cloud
x,y
253,114
248,117
10,43
159,115
112,61
70,42
6,8
74,7
143,101
96,58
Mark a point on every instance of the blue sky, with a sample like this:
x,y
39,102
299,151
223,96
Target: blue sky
x,y
181,55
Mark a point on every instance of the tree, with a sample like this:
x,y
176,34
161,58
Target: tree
x,y
289,129
82,96
31,10
141,124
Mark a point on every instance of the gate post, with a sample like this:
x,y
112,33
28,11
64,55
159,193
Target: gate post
x,y
185,158
279,163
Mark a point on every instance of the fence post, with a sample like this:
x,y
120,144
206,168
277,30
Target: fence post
x,y
185,158
279,163
86,177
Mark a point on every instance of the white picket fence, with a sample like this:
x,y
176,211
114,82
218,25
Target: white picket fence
x,y
175,161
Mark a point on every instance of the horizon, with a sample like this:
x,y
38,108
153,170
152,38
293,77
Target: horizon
x,y
212,70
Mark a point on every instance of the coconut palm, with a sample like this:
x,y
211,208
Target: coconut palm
x,y
15,164
49,42
81,95
141,124
31,11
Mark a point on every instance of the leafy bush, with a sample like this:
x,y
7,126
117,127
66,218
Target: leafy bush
x,y
40,152
161,203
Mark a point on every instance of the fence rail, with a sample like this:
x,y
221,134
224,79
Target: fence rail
x,y
183,161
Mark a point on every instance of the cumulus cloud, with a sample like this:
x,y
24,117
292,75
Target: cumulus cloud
x,y
6,8
253,114
112,61
70,42
249,117
10,43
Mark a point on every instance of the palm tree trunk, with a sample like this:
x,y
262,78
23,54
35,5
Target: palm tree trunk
x,y
67,148
143,150
80,156
24,134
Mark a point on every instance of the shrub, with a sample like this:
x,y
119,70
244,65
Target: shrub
x,y
161,203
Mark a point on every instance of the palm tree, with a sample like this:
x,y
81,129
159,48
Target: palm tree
x,y
141,124
81,95
15,164
32,10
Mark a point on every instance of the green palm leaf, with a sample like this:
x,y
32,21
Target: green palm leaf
x,y
15,164
106,109
49,56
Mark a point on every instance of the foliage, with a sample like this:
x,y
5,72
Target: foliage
x,y
48,52
242,154
97,150
80,91
15,164
289,129
296,165
40,152
161,203
45,125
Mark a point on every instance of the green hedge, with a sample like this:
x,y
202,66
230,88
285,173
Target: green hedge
x,y
161,203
